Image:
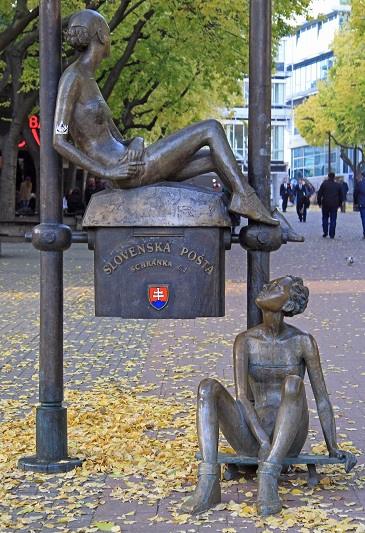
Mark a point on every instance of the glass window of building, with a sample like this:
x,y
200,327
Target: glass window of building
x,y
237,137
312,161
278,93
245,90
305,77
277,143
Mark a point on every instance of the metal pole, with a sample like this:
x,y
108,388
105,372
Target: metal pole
x,y
355,166
259,135
355,176
51,237
329,152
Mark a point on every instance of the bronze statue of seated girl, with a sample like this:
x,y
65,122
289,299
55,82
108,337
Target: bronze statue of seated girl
x,y
271,359
99,148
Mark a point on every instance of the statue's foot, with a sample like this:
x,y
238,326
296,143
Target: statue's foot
x,y
249,206
289,234
207,491
268,501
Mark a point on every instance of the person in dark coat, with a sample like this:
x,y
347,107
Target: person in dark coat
x,y
302,194
359,199
285,193
75,205
101,185
330,198
90,189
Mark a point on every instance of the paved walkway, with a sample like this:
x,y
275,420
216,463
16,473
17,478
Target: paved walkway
x,y
130,390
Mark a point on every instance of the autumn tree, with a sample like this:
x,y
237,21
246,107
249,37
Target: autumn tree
x,y
338,108
173,62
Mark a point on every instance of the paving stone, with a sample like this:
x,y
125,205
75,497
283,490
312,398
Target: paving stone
x,y
335,316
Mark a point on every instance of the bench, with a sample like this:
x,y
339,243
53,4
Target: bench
x,y
73,221
235,462
14,231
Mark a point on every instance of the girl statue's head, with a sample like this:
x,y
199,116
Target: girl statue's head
x,y
299,295
83,26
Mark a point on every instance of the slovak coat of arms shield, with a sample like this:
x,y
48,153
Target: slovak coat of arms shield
x,y
158,296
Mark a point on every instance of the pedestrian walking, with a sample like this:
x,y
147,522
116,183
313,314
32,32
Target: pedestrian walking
x,y
75,205
302,194
359,200
90,189
25,191
285,193
329,198
292,191
101,185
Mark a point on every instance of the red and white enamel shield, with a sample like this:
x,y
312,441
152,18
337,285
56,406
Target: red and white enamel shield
x,y
158,296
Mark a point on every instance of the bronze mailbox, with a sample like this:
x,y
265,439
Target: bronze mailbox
x,y
159,251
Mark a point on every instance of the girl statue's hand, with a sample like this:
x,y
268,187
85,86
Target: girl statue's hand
x,y
124,170
134,155
135,150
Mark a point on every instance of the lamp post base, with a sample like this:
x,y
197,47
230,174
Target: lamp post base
x,y
51,455
34,464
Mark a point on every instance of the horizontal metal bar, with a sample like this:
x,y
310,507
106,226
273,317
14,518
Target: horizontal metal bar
x,y
79,237
303,458
76,237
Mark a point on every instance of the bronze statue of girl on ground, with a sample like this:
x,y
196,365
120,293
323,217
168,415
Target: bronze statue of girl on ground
x,y
271,359
99,148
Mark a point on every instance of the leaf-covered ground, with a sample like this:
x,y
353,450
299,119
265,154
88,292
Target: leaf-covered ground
x,y
130,393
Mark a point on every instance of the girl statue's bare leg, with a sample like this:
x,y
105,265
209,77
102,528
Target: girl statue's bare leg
x,y
174,155
207,491
291,428
215,408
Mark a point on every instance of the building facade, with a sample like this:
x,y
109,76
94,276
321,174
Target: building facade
x,y
304,58
236,127
308,59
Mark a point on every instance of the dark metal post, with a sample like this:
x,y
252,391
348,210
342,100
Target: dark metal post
x,y
51,237
259,135
329,152
355,177
355,166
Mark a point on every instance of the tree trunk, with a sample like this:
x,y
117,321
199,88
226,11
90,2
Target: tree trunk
x,y
34,153
22,104
356,165
8,174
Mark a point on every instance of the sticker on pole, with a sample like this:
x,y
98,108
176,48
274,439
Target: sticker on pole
x,y
158,296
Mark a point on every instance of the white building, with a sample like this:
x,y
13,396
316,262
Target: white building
x,y
307,60
237,130
303,59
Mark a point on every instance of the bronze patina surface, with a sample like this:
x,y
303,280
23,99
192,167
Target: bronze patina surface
x,y
270,360
83,116
165,204
159,251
